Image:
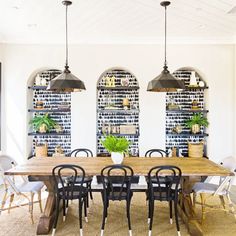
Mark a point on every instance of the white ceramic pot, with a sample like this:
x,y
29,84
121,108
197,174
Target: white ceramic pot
x,y
117,157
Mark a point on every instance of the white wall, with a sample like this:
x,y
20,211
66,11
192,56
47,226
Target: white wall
x,y
215,62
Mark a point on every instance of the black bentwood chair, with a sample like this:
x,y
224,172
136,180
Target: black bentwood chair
x,y
69,191
88,179
163,192
156,153
116,181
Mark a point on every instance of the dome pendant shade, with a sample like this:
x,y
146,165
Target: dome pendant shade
x,y
66,82
165,82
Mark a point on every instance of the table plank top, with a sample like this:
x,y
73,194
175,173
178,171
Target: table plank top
x,y
141,165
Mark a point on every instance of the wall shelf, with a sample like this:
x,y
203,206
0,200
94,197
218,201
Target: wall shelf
x,y
120,135
118,111
35,87
118,88
49,134
187,111
184,134
196,88
49,110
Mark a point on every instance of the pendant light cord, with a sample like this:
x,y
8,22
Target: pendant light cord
x,y
165,37
66,40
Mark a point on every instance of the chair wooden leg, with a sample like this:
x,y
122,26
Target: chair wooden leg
x,y
151,216
85,209
194,199
40,201
170,206
176,216
11,200
128,216
3,201
222,201
80,216
231,206
203,201
31,204
104,215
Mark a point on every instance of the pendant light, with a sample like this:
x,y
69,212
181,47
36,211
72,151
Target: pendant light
x,y
165,82
66,82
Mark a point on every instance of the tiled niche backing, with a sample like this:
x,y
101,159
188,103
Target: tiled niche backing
x,y
184,101
52,104
117,116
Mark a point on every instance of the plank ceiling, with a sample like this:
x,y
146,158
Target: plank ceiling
x,y
117,21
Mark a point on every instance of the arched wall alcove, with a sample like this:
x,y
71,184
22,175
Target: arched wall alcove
x,y
118,108
57,105
181,106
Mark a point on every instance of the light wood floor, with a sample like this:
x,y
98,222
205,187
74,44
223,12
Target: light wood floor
x,y
17,223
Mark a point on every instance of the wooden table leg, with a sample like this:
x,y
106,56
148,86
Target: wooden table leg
x,y
47,218
185,207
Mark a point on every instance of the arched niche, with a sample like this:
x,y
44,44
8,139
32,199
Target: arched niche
x,y
57,105
183,109
118,108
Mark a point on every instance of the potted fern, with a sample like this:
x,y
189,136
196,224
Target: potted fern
x,y
117,146
195,123
42,123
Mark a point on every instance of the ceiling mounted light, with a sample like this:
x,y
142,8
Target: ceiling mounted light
x,y
165,82
66,82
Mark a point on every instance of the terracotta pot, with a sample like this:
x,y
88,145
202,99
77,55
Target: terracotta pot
x,y
195,129
117,157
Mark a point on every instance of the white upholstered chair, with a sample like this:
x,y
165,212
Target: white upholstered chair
x,y
207,189
22,188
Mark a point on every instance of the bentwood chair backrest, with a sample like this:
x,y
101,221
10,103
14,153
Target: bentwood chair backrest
x,y
169,190
225,183
74,171
7,163
83,151
116,181
156,153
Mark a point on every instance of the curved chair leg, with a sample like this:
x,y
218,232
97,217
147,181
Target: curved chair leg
x,y
149,209
56,217
11,200
151,216
85,209
40,201
231,206
80,216
64,209
176,216
104,215
90,191
170,206
87,198
128,216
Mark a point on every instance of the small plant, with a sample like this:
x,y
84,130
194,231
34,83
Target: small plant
x,y
40,121
197,119
116,144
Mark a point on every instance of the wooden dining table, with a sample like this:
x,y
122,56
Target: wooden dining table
x,y
192,169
